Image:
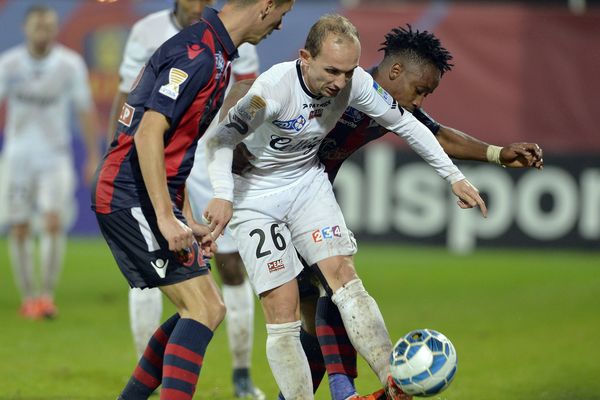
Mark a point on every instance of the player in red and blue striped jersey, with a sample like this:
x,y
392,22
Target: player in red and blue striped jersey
x,y
139,195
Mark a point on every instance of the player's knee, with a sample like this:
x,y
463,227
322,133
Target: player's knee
x,y
53,223
20,231
338,271
231,269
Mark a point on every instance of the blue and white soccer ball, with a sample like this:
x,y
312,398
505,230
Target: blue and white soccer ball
x,y
423,362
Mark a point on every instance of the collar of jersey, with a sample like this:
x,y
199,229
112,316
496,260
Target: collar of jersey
x,y
211,17
303,84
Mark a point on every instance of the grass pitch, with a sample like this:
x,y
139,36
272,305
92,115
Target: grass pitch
x,y
525,325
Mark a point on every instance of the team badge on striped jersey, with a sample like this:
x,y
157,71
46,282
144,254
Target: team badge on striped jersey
x,y
176,78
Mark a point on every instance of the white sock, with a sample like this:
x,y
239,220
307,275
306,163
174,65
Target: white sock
x,y
239,301
288,361
145,312
21,257
52,251
365,326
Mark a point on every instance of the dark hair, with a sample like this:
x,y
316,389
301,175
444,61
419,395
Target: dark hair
x,y
417,46
37,9
330,23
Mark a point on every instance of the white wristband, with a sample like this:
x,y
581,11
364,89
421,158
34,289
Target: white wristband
x,y
493,154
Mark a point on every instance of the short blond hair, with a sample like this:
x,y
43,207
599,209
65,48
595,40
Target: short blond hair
x,y
329,24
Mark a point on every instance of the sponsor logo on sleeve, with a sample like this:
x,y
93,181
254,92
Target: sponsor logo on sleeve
x,y
384,95
326,233
126,115
275,265
176,78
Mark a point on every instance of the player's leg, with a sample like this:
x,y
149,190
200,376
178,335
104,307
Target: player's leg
x,y
265,246
19,190
237,292
56,202
145,313
144,259
321,236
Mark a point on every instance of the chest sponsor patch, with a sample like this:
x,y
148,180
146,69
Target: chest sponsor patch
x,y
295,124
176,78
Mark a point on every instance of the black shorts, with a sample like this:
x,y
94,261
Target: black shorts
x,y
142,252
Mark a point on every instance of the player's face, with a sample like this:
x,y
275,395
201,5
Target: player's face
x,y
331,70
189,12
272,20
41,29
413,83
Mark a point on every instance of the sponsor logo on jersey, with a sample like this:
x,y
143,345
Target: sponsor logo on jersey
x,y
288,144
315,113
295,124
194,50
326,233
384,95
160,266
176,78
275,265
126,115
316,105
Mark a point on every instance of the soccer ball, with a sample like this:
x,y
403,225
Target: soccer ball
x,y
423,362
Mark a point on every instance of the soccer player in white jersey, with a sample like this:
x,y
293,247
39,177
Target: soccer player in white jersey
x,y
41,80
286,203
145,306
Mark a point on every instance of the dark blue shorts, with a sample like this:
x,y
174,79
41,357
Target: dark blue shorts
x,y
142,252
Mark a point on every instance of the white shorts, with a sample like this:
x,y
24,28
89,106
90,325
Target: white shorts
x,y
31,189
200,192
303,217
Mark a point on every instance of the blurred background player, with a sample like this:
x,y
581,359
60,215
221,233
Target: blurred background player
x,y
145,306
41,80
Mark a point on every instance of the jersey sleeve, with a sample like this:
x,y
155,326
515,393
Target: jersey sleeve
x,y
178,80
426,120
136,54
367,96
260,104
3,77
246,66
81,92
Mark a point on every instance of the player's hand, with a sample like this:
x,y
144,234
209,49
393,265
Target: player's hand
x,y
204,237
217,215
522,155
241,159
178,234
468,196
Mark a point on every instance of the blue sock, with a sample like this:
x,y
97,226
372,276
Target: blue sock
x,y
341,386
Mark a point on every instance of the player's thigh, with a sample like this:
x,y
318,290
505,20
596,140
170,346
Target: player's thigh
x,y
266,249
18,190
318,227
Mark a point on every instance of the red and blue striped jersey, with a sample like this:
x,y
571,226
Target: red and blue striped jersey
x,y
185,80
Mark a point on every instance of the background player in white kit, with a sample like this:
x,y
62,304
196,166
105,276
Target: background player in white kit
x,y
41,81
286,201
145,306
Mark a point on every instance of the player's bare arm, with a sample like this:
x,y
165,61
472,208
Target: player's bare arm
x,y
88,121
462,146
150,148
200,231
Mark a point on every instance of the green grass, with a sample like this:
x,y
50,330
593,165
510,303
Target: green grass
x,y
525,325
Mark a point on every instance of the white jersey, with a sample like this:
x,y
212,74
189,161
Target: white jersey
x,y
285,135
39,95
153,30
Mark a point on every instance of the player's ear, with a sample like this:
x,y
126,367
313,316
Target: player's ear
x,y
305,55
396,70
268,6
